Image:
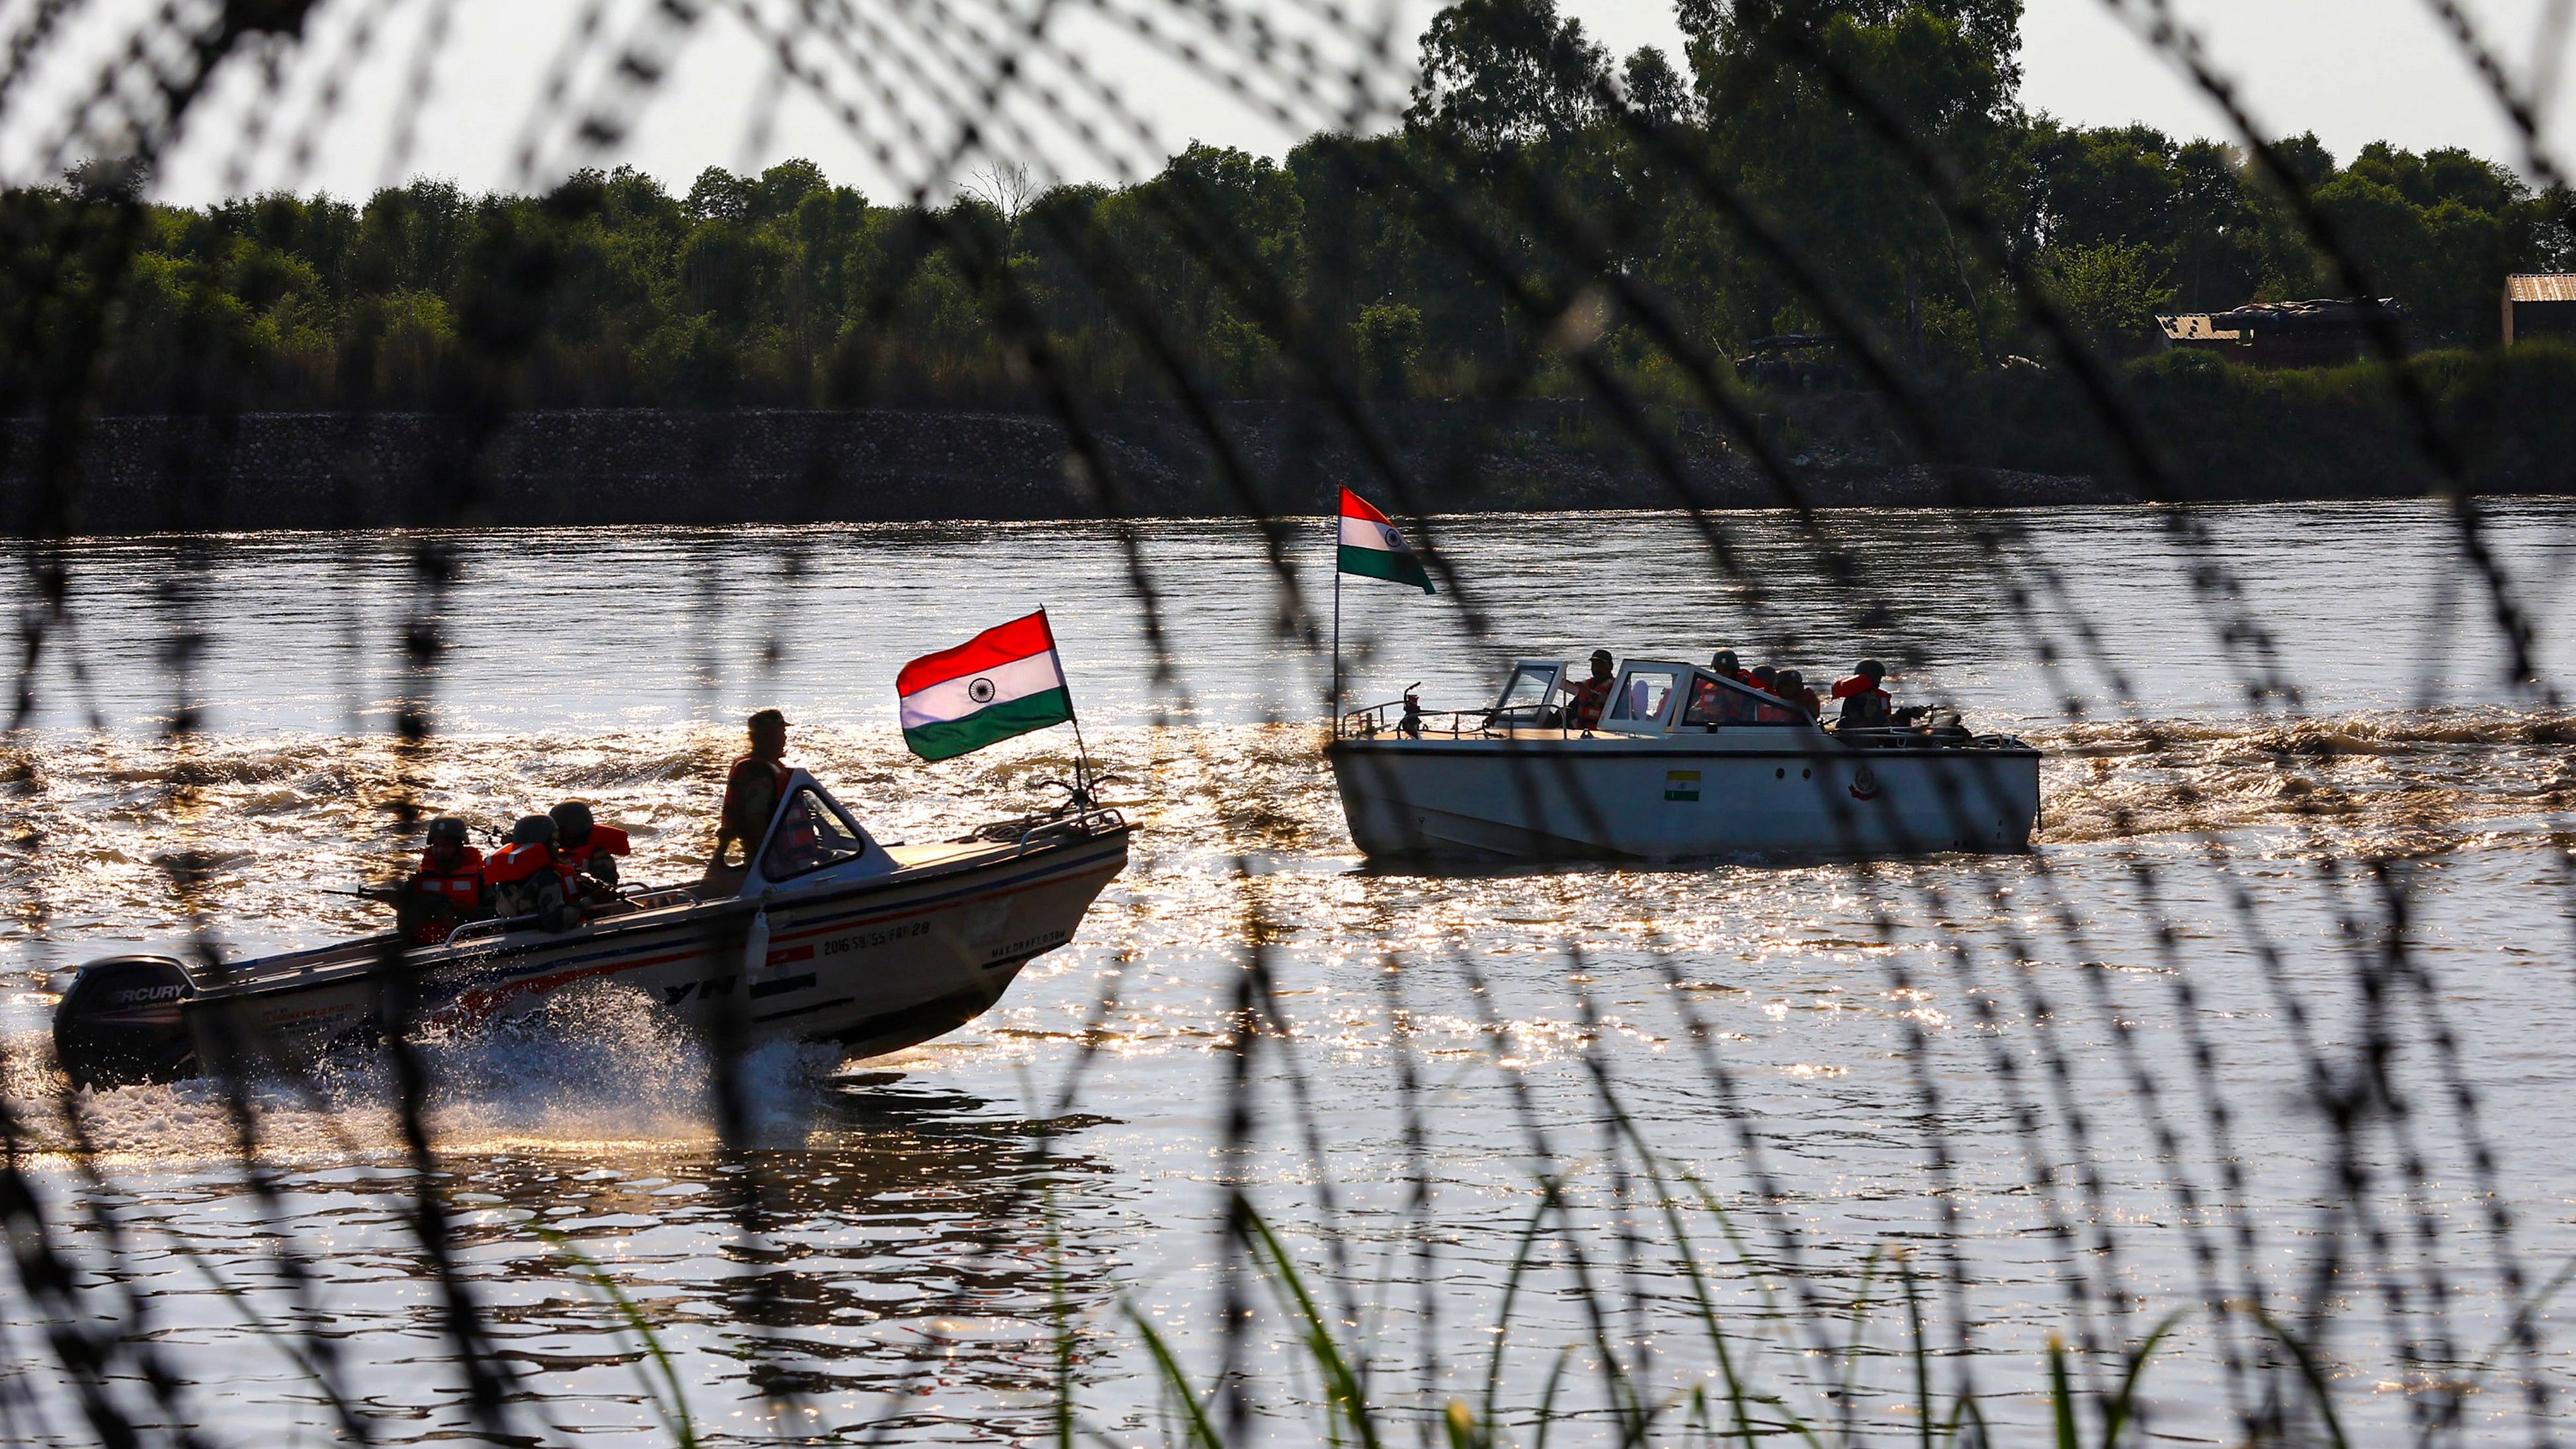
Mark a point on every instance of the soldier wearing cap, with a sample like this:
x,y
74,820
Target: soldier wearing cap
x,y
1592,694
754,787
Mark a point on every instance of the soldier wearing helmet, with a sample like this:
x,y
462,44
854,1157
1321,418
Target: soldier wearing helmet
x,y
523,877
447,890
583,847
1793,688
1865,704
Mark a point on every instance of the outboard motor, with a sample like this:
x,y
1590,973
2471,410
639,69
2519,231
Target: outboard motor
x,y
121,1023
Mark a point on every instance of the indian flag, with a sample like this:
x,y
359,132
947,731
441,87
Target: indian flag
x,y
1371,546
1005,681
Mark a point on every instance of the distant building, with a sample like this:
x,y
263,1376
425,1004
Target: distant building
x,y
2539,306
2319,333
1796,362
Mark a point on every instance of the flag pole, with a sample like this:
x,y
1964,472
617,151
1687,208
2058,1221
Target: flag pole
x,y
1335,720
1081,751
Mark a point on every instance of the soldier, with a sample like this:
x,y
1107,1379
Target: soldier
x,y
1593,695
754,787
1865,704
584,847
447,889
523,876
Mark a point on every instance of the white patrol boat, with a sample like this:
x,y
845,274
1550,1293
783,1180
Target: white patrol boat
x,y
828,935
1682,764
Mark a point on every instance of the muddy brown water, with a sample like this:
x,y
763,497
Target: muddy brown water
x,y
2080,1089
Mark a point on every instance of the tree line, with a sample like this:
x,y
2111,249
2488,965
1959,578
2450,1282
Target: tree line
x,y
1794,149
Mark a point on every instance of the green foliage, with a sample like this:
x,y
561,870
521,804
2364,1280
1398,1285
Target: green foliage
x,y
2109,293
1504,72
1438,259
1388,338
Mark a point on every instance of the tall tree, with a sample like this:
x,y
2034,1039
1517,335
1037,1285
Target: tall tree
x,y
1498,73
1781,83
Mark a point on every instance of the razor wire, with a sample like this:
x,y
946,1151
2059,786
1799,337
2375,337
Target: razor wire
x,y
991,72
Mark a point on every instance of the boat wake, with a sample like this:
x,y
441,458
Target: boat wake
x,y
600,1064
130,841
136,840
2394,783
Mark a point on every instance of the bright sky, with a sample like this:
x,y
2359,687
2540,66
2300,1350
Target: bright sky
x,y
2352,70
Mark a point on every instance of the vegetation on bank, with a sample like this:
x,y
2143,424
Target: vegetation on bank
x,y
2225,431
1391,263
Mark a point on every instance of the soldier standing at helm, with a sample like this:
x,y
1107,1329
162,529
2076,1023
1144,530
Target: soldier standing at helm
x,y
1591,694
754,787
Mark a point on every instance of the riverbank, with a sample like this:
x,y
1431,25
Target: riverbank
x,y
2226,435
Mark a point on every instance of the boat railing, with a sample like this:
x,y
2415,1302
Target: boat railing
x,y
493,926
1952,737
1064,822
1378,720
628,901
1089,820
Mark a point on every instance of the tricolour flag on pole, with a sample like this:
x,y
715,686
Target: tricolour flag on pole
x,y
1005,681
1371,547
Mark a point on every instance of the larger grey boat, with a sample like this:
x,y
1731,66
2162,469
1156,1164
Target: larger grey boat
x,y
1682,764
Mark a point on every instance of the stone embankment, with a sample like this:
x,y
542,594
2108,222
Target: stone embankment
x,y
642,466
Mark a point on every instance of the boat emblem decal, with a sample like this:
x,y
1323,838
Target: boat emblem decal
x,y
1681,785
981,691
1864,786
986,921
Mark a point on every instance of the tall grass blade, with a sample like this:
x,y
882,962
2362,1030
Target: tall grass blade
x,y
1922,1351
2116,1415
1547,1397
1549,1188
1341,1385
2061,1396
675,1418
2310,1371
1202,1434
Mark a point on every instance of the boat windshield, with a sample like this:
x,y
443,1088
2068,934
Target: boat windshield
x,y
1643,701
810,836
1529,701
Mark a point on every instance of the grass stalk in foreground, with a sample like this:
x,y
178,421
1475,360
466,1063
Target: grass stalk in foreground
x,y
674,1414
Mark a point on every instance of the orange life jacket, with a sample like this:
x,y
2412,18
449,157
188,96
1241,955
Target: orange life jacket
x,y
1851,684
572,860
1590,697
458,884
515,863
442,895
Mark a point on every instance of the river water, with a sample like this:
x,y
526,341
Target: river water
x,y
2174,1063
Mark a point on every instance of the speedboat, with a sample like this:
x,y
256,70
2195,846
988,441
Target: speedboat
x,y
826,934
1683,763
